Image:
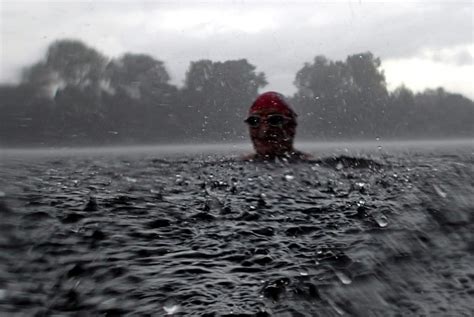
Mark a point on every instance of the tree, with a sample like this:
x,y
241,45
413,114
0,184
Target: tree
x,y
401,112
143,101
369,103
342,99
67,63
216,97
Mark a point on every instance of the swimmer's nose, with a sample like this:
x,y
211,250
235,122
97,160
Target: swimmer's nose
x,y
263,130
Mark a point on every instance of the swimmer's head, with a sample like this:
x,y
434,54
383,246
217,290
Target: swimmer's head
x,y
272,125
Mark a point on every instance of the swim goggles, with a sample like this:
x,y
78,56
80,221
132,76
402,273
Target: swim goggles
x,y
274,120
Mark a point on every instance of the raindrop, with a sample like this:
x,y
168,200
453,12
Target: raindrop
x,y
343,278
381,221
304,273
339,166
439,191
2,194
262,200
179,179
289,177
171,307
377,138
338,310
3,294
130,179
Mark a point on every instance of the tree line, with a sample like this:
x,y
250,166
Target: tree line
x,y
76,95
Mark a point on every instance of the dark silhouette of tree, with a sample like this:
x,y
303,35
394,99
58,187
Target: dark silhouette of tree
x,y
321,97
216,97
342,98
439,113
77,96
401,113
368,104
67,87
68,63
143,103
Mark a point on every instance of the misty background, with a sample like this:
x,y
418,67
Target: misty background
x,y
78,96
85,73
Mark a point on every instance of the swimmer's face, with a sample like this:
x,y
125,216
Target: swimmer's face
x,y
272,133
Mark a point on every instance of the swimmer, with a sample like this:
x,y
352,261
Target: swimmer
x,y
272,128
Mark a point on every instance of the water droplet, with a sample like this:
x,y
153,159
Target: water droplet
x,y
304,273
179,179
130,179
339,166
439,191
338,309
381,220
170,310
171,306
343,277
3,294
2,194
289,177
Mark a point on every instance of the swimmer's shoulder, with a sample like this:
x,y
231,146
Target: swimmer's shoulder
x,y
249,157
295,156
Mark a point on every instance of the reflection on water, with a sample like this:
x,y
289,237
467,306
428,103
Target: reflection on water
x,y
154,230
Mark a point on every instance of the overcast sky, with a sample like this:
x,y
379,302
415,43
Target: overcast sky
x,y
421,43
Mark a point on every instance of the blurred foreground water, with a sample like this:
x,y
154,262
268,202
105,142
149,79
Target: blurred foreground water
x,y
362,230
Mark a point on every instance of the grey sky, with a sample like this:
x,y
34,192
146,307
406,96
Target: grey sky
x,y
423,43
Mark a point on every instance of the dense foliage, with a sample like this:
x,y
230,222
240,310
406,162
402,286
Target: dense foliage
x,y
78,96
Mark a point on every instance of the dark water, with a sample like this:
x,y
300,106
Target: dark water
x,y
359,231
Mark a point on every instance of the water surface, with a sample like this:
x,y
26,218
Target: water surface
x,y
373,229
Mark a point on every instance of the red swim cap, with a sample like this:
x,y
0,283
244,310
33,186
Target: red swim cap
x,y
272,100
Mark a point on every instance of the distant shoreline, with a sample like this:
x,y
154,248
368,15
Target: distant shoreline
x,y
235,148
